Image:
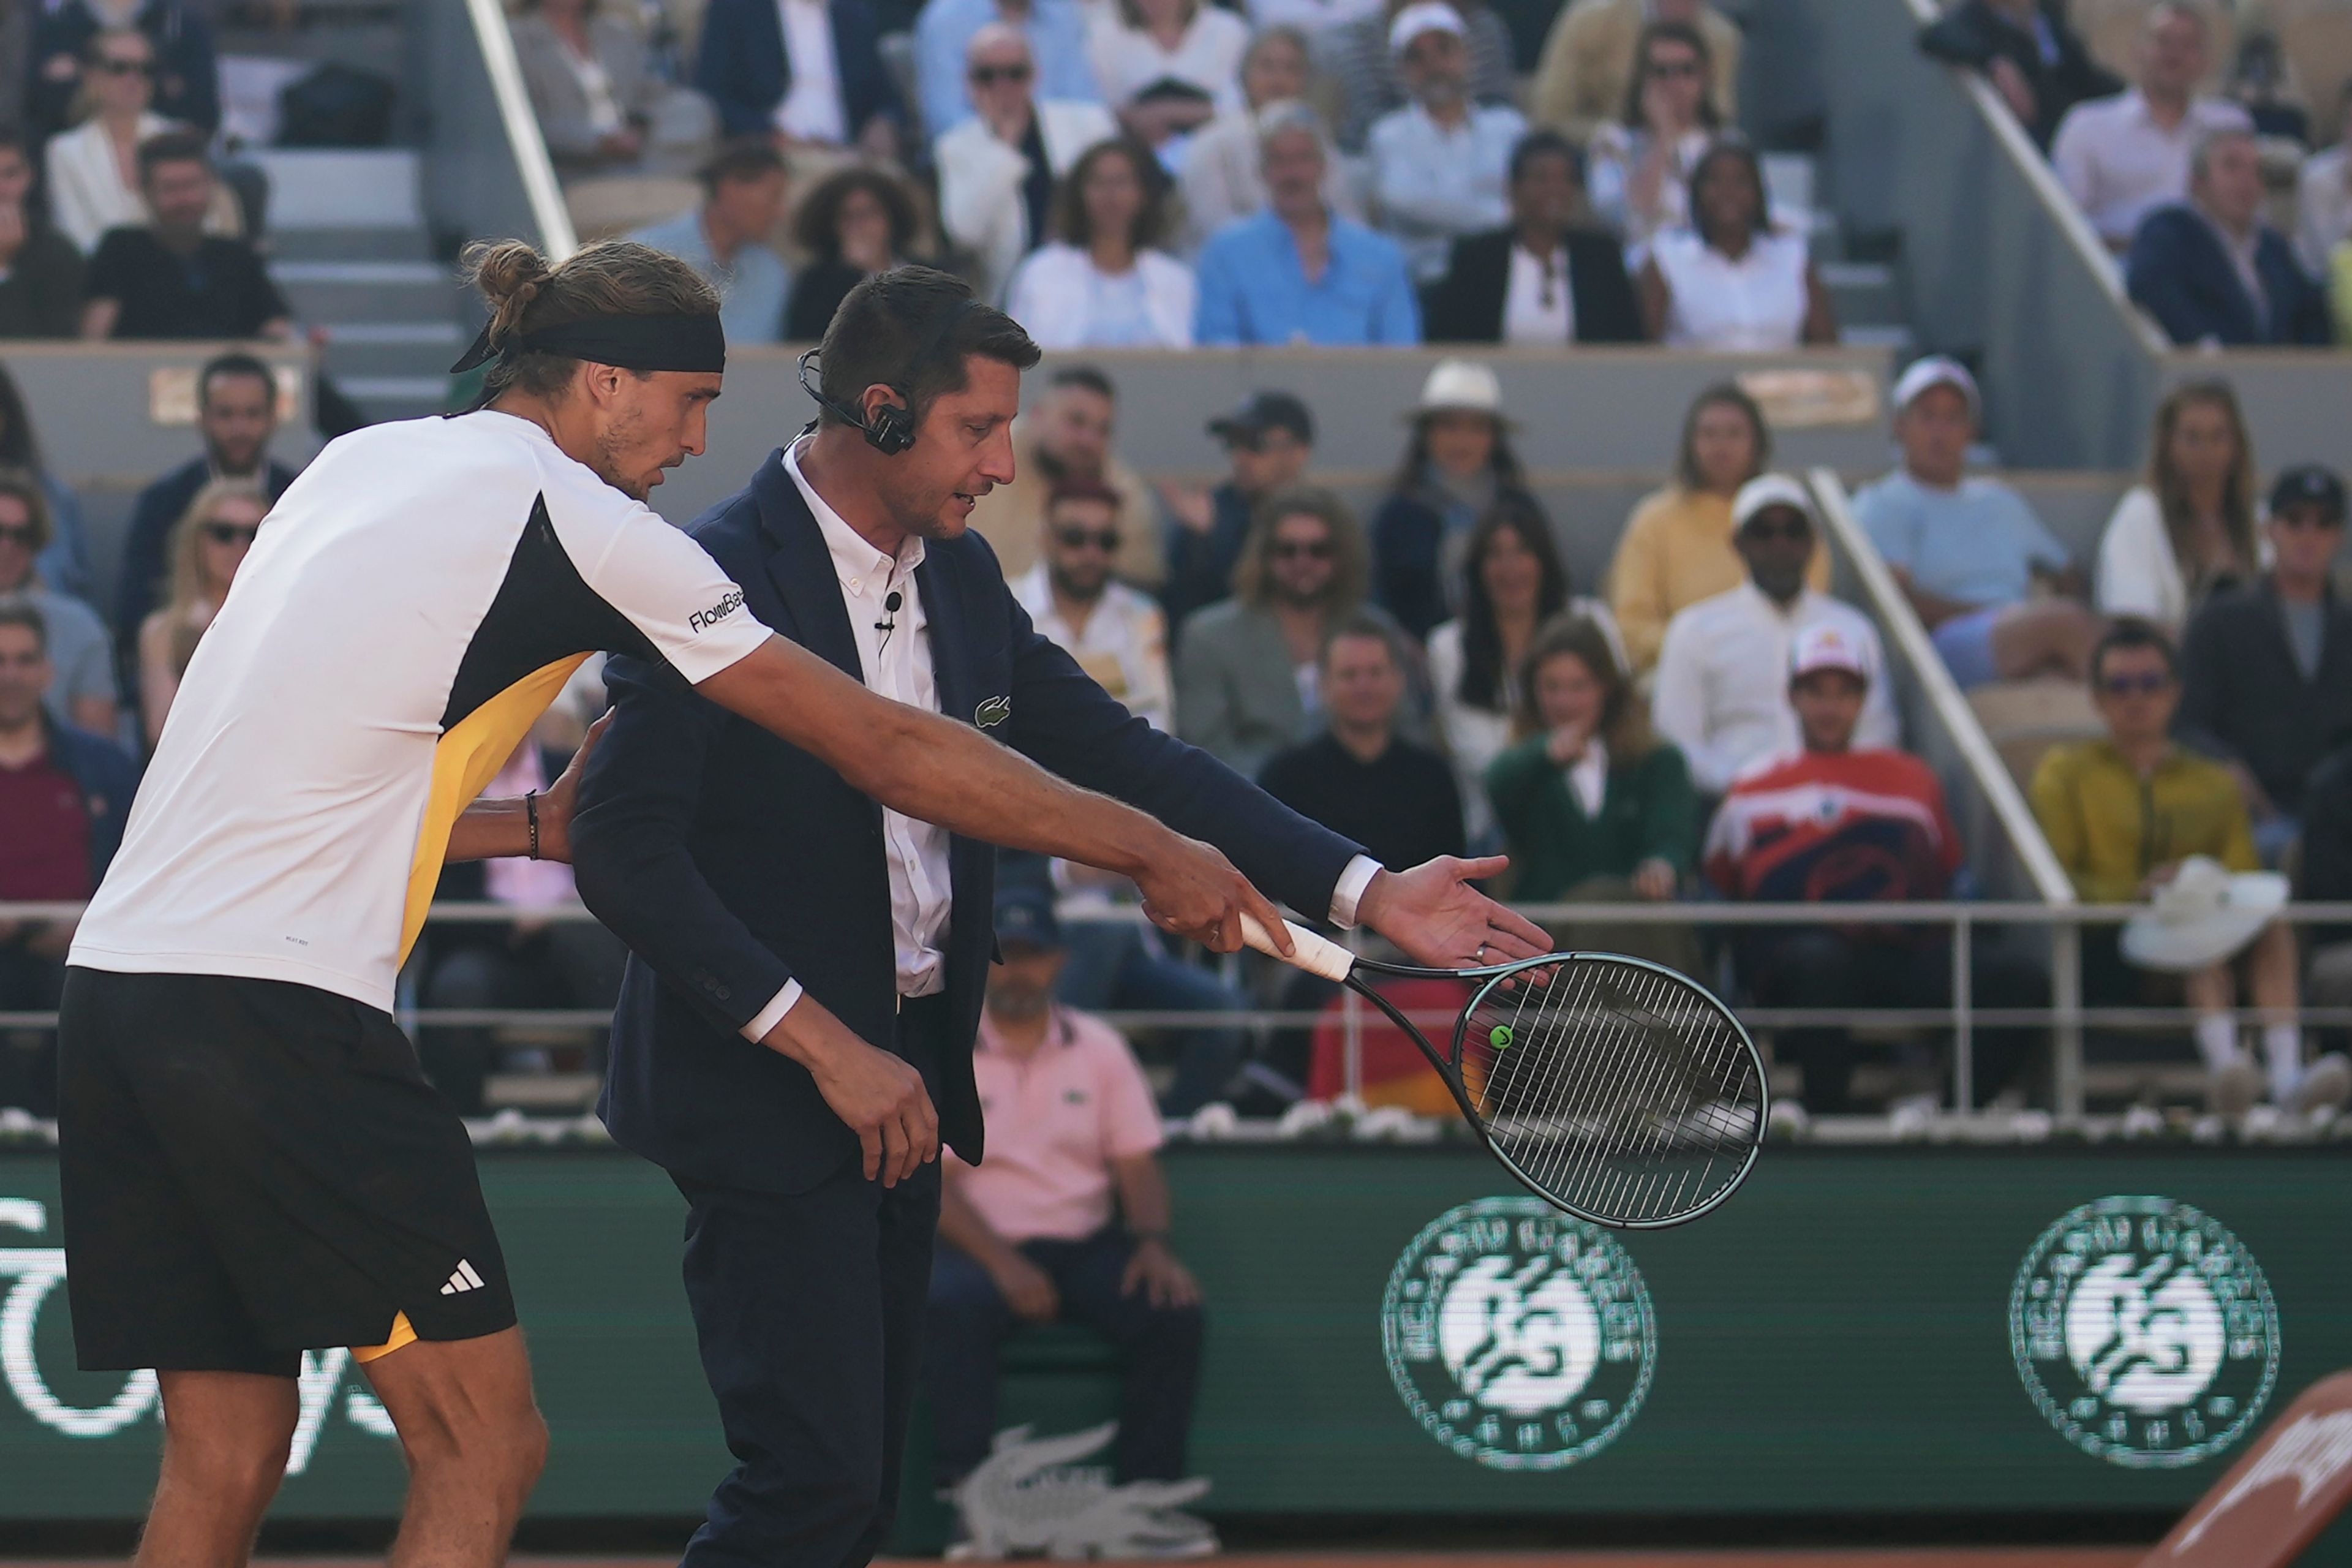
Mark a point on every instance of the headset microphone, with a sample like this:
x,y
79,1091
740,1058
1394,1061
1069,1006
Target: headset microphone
x,y
892,429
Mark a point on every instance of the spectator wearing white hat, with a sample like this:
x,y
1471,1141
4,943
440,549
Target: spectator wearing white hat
x,y
1722,692
1441,163
1355,56
1993,583
1838,821
1298,272
1457,465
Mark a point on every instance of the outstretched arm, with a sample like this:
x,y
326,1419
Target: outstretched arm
x,y
942,772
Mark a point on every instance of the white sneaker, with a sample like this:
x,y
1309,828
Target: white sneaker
x,y
2233,1088
2323,1087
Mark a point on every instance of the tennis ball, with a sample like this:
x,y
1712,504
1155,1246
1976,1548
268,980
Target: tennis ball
x,y
1500,1037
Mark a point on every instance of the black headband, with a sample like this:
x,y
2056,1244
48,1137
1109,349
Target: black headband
x,y
633,343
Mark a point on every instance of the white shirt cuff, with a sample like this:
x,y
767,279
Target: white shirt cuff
x,y
1349,890
774,1013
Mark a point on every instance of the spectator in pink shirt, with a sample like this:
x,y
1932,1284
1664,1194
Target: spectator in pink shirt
x,y
1066,1220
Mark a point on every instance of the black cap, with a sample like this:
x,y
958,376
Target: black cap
x,y
2309,484
1266,411
1025,913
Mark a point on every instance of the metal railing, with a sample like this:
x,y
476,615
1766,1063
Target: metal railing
x,y
488,175
2066,1017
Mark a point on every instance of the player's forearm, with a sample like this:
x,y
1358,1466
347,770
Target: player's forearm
x,y
931,768
490,830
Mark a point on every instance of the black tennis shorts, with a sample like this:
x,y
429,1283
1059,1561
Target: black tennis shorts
x,y
253,1169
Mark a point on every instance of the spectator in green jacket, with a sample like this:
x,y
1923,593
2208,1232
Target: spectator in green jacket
x,y
1594,807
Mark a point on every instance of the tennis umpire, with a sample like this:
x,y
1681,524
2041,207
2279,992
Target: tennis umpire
x,y
253,1163
753,880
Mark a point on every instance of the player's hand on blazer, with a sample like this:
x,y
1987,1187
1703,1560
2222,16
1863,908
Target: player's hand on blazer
x,y
1191,890
1434,913
877,1095
556,805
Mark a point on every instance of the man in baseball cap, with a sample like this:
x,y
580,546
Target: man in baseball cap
x,y
1267,441
1832,823
1440,162
1722,692
2266,673
1974,560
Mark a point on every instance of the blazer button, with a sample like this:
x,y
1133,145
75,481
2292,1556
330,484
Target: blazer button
x,y
723,993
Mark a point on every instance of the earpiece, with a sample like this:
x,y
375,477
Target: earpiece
x,y
892,429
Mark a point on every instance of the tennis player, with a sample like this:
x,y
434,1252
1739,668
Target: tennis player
x,y
253,1163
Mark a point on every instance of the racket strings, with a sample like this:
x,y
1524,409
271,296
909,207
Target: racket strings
x,y
1620,1089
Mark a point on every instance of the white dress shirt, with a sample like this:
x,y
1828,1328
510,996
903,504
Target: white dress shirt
x,y
810,109
1754,305
1431,183
1124,644
1722,694
2119,164
1538,306
897,665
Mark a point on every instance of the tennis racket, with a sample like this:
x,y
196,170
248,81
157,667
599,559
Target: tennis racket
x,y
1616,1091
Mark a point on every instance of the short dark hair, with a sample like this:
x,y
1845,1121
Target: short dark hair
x,y
884,323
1070,220
1075,489
1363,624
230,366
744,158
1544,143
1730,148
1088,376
817,227
2131,632
171,147
18,613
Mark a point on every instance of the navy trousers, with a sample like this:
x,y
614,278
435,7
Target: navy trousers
x,y
1160,1351
809,1311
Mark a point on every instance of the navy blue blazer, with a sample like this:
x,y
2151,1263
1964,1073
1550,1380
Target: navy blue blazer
x,y
2178,273
743,66
731,862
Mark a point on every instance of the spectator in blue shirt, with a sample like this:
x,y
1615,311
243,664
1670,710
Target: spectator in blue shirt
x,y
1056,30
1970,552
1298,272
2211,271
726,239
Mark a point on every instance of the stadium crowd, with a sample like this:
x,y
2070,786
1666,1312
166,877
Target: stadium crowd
x,y
1709,722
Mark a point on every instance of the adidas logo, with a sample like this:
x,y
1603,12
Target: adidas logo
x,y
463,1281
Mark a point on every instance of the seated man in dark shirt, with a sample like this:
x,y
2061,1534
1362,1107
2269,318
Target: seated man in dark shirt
x,y
2266,669
40,271
169,278
1395,798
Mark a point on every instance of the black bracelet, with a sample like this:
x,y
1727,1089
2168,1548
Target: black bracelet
x,y
530,812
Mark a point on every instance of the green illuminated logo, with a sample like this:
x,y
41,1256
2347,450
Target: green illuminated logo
x,y
2144,1331
1519,1338
1500,1037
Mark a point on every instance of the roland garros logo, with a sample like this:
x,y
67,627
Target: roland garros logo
x,y
2144,1331
32,1275
1519,1338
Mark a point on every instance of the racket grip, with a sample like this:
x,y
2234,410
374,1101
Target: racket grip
x,y
1313,953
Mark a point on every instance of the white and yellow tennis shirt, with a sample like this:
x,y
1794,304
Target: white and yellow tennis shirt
x,y
411,606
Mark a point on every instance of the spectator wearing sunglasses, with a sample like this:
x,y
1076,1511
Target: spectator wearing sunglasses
x,y
94,172
1055,31
1268,441
1591,52
81,690
1248,674
209,545
1118,635
183,66
998,166
169,276
2266,668
1640,164
1069,435
1722,692
2122,813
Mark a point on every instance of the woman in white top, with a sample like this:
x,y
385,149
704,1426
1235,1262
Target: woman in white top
x,y
1513,582
1101,285
1637,172
1137,45
2189,528
93,169
1221,180
1731,282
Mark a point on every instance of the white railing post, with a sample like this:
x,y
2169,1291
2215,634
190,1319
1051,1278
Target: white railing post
x,y
2067,1009
1964,1061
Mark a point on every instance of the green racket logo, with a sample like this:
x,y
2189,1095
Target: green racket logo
x,y
1500,1037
